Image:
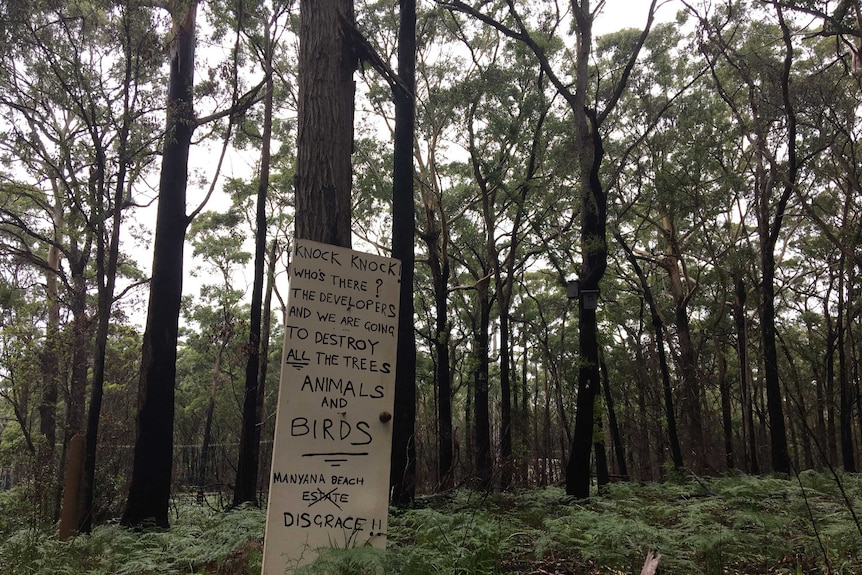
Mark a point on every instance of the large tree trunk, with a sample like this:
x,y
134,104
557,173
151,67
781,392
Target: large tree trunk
x,y
323,180
768,232
403,470
594,254
150,488
438,261
778,436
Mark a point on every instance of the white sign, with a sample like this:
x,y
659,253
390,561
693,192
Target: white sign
x,y
333,434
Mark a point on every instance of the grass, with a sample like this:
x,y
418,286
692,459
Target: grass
x,y
737,524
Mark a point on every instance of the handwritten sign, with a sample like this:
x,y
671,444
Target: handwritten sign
x,y
333,433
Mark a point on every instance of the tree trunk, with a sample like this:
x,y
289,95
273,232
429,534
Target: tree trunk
x,y
245,484
845,385
442,374
484,469
690,398
265,333
768,232
749,437
616,437
403,471
150,488
594,255
726,408
323,179
778,436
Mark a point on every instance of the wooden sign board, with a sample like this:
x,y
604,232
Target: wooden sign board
x,y
333,434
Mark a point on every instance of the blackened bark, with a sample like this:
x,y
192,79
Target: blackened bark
x,y
107,262
484,470
594,254
245,483
616,436
749,438
403,471
845,385
778,432
438,260
149,492
768,234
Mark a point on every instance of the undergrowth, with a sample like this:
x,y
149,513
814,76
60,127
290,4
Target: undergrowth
x,y
737,524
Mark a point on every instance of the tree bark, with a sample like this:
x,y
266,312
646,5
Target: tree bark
x,y
403,470
484,469
149,492
616,436
248,462
749,437
323,179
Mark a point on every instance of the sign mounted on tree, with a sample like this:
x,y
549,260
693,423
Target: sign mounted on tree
x,y
329,484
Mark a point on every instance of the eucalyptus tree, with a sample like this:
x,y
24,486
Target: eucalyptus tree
x,y
788,113
403,474
587,123
673,211
150,487
760,113
149,491
830,215
434,109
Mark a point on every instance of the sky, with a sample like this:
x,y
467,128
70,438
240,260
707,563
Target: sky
x,y
618,14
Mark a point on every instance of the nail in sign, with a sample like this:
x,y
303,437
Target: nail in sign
x,y
329,483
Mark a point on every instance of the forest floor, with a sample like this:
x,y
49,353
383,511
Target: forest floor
x,y
738,524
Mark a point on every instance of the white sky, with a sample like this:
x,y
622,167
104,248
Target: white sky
x,y
618,14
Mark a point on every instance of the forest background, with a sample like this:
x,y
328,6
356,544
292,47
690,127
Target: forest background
x,y
726,141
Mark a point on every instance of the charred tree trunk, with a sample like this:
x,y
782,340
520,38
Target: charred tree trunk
x,y
616,436
594,252
248,462
484,469
749,437
149,492
403,471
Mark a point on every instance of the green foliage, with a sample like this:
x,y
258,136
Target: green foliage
x,y
737,524
199,541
